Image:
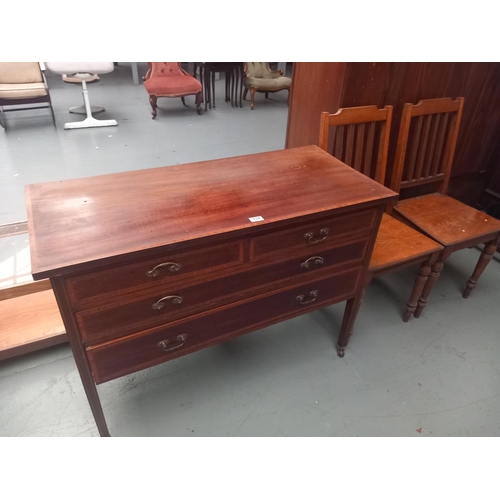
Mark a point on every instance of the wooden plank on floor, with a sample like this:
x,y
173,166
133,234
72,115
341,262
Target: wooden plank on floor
x,y
29,323
24,289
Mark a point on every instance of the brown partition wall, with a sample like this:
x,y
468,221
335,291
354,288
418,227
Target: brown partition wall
x,y
321,87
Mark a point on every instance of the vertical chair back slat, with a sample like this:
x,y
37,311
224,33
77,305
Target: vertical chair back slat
x,y
426,143
361,137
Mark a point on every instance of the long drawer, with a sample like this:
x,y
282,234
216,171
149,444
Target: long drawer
x,y
142,350
137,312
166,269
313,235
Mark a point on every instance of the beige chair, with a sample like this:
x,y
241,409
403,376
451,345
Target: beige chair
x,y
22,83
260,78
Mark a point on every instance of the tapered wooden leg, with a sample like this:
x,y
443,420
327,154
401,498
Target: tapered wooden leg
x,y
420,280
429,285
152,101
484,260
80,355
351,309
252,97
245,92
267,95
183,101
356,311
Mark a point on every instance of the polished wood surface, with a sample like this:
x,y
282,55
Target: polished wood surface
x,y
398,243
397,83
120,357
166,270
134,312
424,153
316,87
447,220
29,323
365,154
137,257
92,220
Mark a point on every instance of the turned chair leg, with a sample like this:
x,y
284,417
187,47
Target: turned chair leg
x,y
418,286
152,101
252,97
484,260
245,94
429,285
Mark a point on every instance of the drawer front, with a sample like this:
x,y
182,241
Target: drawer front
x,y
96,287
120,357
313,235
171,303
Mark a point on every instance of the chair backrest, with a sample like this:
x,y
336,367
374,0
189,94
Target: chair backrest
x,y
426,144
257,70
159,69
20,72
360,138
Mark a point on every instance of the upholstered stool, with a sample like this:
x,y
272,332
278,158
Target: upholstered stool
x,y
86,72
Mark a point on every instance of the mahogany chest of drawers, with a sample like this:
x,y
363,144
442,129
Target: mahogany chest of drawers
x,y
151,265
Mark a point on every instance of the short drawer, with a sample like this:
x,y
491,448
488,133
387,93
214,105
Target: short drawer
x,y
123,356
313,235
170,268
174,302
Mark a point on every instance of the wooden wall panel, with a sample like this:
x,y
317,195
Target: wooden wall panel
x,y
316,87
478,146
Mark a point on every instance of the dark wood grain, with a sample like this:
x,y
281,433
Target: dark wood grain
x,y
380,84
134,312
86,220
100,238
120,357
447,220
316,87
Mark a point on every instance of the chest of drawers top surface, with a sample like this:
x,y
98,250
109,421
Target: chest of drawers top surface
x,y
90,220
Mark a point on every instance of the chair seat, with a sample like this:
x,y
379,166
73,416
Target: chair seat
x,y
398,243
22,90
70,68
447,220
270,84
173,86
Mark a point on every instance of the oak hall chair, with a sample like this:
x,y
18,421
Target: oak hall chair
x,y
168,79
260,78
424,156
360,138
22,83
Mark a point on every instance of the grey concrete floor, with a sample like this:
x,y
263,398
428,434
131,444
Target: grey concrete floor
x,y
435,376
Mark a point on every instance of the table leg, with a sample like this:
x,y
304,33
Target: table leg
x,y
80,356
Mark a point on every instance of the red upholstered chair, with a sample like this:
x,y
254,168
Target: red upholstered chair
x,y
168,79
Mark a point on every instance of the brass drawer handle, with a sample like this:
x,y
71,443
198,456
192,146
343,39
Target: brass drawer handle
x,y
159,304
323,232
164,344
317,260
313,295
173,267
